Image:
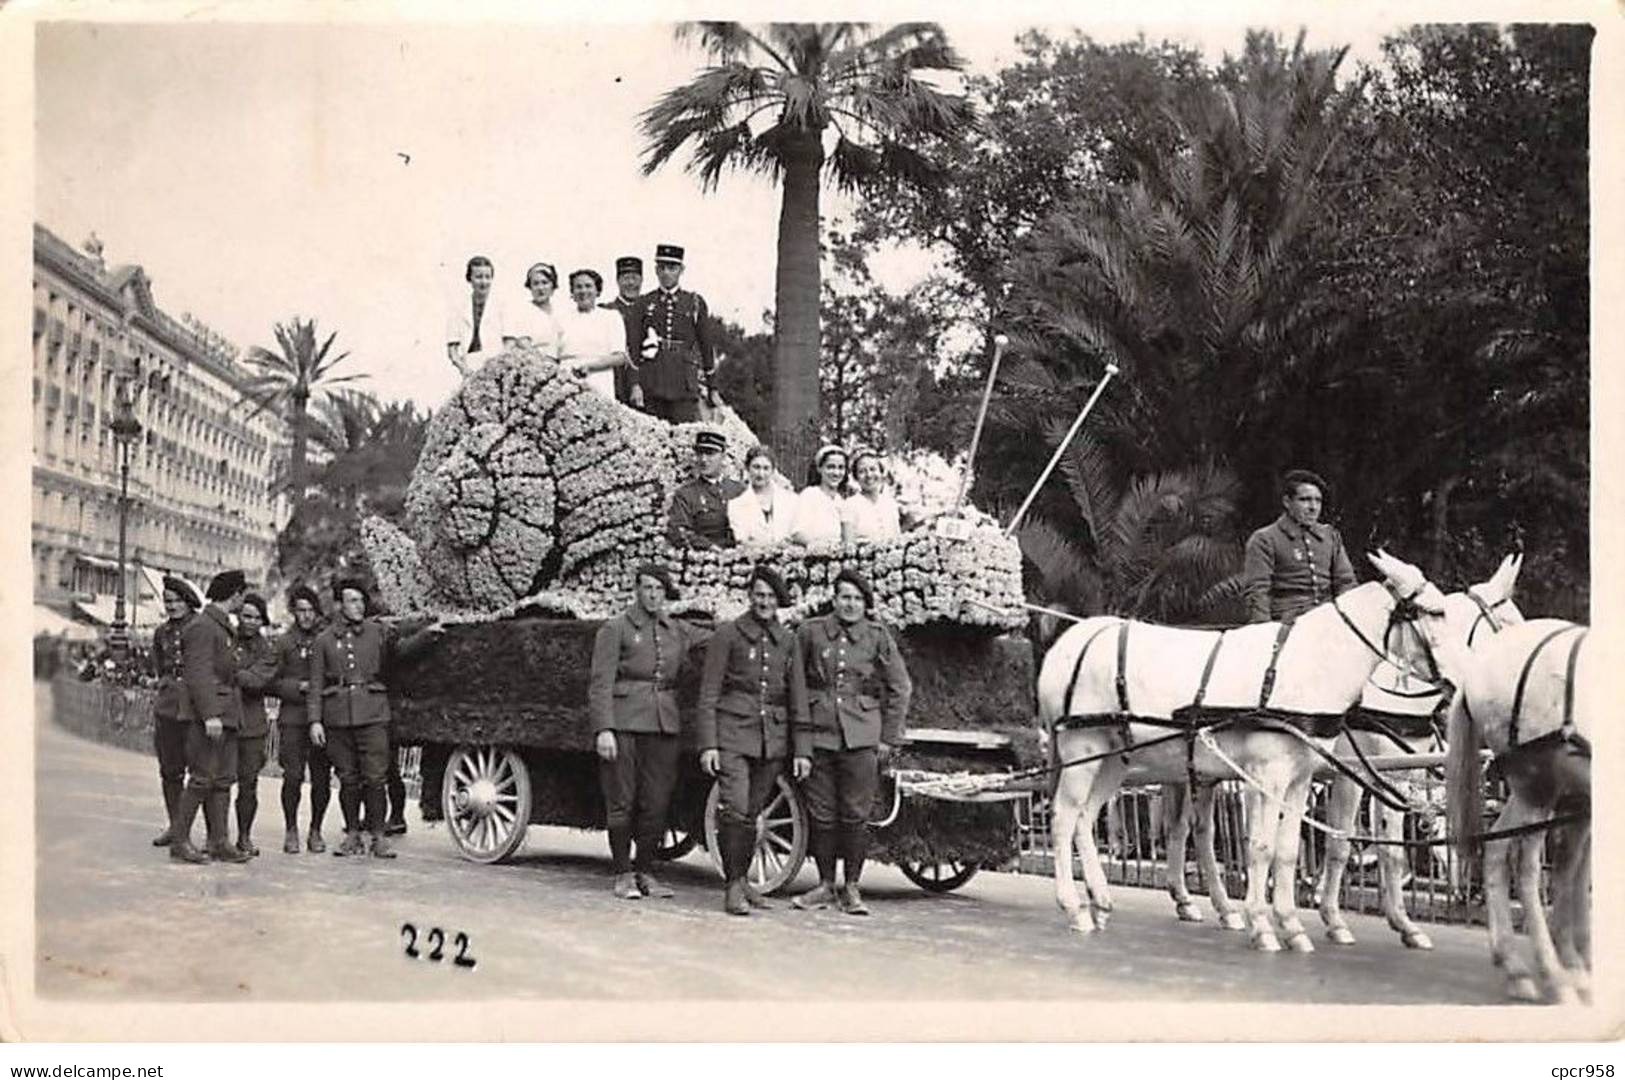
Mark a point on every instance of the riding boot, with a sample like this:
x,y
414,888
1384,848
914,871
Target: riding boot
x,y
172,801
186,808
216,809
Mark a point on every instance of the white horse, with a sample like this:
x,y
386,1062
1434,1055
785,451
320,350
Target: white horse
x,y
1471,617
1321,670
1526,696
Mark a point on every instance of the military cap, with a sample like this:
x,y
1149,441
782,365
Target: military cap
x,y
257,602
707,439
227,583
668,253
342,583
182,589
661,574
628,264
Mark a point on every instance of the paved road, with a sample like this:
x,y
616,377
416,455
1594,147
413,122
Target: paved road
x,y
318,928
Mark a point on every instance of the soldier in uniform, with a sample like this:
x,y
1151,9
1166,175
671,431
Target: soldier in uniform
x,y
669,329
256,669
172,708
629,285
698,516
632,699
209,667
1296,561
851,692
291,683
743,725
348,705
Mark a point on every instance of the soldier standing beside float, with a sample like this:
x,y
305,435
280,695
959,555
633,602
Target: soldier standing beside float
x,y
629,286
295,751
172,709
209,661
669,330
348,704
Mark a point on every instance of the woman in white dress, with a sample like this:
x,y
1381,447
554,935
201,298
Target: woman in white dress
x,y
535,324
594,338
872,513
761,514
818,508
475,329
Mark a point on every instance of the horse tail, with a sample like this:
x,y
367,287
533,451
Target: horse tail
x,y
1463,777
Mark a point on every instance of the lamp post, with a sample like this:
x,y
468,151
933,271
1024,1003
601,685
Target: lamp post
x,y
126,430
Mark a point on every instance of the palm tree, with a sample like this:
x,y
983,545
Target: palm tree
x,y
768,104
285,381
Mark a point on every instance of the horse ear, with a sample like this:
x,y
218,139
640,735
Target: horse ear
x,y
1515,562
1383,561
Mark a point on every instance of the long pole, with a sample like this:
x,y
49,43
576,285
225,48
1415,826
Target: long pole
x,y
120,635
999,344
1111,369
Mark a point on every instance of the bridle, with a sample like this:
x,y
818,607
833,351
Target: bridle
x,y
1486,614
1405,614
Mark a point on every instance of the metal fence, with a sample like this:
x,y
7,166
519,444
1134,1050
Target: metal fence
x,y
1132,841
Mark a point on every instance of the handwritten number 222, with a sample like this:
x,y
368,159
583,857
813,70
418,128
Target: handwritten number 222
x,y
436,937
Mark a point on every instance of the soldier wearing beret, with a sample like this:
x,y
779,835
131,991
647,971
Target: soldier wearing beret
x,y
295,750
851,693
669,329
699,509
743,727
348,705
256,668
629,286
171,709
632,699
1297,561
209,667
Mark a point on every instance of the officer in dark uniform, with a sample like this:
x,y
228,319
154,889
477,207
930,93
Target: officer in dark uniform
x,y
1297,561
669,330
172,708
743,727
851,693
632,699
629,286
698,516
209,666
348,705
256,669
294,649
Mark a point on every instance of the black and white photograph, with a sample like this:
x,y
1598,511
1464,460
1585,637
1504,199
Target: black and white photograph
x,y
1044,524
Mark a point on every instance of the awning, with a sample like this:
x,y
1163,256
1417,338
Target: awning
x,y
139,616
97,561
47,621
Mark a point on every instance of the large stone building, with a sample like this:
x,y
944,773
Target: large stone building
x,y
201,472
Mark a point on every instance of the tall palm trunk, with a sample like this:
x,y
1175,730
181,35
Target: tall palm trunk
x,y
795,295
296,457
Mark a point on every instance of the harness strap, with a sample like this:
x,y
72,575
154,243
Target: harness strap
x,y
1523,682
1122,668
1269,672
1196,703
1077,667
1568,685
1486,613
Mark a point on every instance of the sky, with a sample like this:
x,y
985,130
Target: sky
x,y
346,172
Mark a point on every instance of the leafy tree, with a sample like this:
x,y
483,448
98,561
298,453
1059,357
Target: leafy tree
x,y
775,95
288,380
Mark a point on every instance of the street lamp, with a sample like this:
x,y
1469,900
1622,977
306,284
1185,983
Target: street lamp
x,y
126,430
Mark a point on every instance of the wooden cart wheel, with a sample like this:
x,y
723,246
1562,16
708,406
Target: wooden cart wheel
x,y
781,837
675,843
938,877
486,795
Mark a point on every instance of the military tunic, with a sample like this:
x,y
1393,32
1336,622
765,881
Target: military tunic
x,y
294,650
209,663
256,668
744,710
671,380
171,710
1291,568
699,513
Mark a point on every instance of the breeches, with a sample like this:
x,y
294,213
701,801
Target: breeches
x,y
841,788
212,763
360,755
295,752
169,741
744,785
638,784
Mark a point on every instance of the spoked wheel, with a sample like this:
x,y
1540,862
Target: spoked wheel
x,y
938,877
676,843
781,837
486,794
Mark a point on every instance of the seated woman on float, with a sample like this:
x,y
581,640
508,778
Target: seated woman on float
x,y
871,513
818,507
763,513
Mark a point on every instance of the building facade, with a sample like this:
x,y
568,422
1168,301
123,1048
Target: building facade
x,y
202,474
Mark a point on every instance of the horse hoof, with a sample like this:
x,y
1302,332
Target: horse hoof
x,y
1417,940
1266,943
1102,917
1340,935
1188,912
1232,920
1300,943
1080,923
1522,988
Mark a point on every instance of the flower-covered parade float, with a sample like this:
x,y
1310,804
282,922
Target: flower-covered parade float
x,y
531,506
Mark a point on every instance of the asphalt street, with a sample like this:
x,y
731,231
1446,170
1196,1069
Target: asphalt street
x,y
117,921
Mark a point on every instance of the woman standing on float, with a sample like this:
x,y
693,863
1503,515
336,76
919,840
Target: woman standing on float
x,y
850,692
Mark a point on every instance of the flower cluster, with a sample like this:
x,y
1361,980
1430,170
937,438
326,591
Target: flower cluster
x,y
534,493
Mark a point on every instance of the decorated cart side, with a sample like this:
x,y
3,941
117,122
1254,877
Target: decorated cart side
x,y
532,504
